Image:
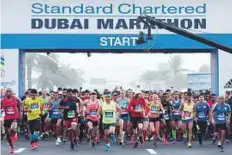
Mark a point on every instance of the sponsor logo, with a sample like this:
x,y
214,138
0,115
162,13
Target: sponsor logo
x,y
2,64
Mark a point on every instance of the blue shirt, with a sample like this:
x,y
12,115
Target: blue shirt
x,y
202,111
56,113
220,113
175,106
123,103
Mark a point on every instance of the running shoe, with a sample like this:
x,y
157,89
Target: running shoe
x,y
154,144
64,140
219,144
121,143
221,149
72,146
11,149
33,146
174,141
141,140
189,145
136,144
214,140
165,141
36,145
107,147
58,140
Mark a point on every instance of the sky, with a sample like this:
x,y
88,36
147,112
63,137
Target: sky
x,y
121,69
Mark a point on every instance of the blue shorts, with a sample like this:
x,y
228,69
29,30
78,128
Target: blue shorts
x,y
176,118
187,121
125,117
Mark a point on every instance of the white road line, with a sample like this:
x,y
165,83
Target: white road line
x,y
151,151
20,150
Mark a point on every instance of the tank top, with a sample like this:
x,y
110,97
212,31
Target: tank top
x,y
56,112
154,110
109,112
92,108
10,107
123,103
175,106
188,111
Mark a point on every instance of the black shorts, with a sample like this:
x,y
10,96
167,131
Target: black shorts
x,y
136,120
34,124
220,127
7,123
107,126
95,123
154,119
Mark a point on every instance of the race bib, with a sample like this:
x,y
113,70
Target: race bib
x,y
166,116
71,114
45,108
109,114
124,111
34,106
10,111
93,113
201,114
56,112
176,113
187,114
221,117
154,109
138,108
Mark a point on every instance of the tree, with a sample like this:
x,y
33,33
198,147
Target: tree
x,y
149,76
204,68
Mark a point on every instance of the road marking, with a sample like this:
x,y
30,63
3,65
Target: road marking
x,y
151,151
20,150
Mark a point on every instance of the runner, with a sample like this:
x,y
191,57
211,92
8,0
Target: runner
x,y
56,116
70,115
11,106
202,117
188,109
220,112
93,105
176,117
123,102
108,110
153,111
137,108
45,116
34,109
146,119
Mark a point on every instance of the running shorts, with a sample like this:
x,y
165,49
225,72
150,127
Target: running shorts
x,y
136,120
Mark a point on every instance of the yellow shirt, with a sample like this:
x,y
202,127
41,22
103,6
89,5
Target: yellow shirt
x,y
188,111
34,105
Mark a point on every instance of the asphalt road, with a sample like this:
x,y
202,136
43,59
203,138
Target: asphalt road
x,y
48,148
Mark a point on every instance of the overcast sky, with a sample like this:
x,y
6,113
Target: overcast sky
x,y
124,68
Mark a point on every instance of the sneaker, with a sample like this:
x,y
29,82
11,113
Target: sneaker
x,y
58,140
64,140
189,145
11,149
136,145
107,147
36,145
33,146
57,143
72,146
221,149
219,144
174,141
154,144
121,143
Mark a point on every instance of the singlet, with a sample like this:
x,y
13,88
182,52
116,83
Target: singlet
x,y
123,103
56,112
109,112
34,105
92,108
167,110
10,106
154,110
176,106
188,111
44,102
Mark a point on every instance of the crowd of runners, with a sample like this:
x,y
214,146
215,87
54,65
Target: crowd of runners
x,y
116,117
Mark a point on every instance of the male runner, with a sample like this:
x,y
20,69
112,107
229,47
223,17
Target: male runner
x,y
34,109
188,110
202,117
11,106
70,116
220,113
108,110
137,108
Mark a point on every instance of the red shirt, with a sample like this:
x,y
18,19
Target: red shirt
x,y
211,103
92,109
137,107
10,106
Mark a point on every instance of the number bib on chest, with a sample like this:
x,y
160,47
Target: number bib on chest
x,y
71,114
154,109
56,112
201,114
93,113
109,114
10,110
138,108
187,115
34,106
221,117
